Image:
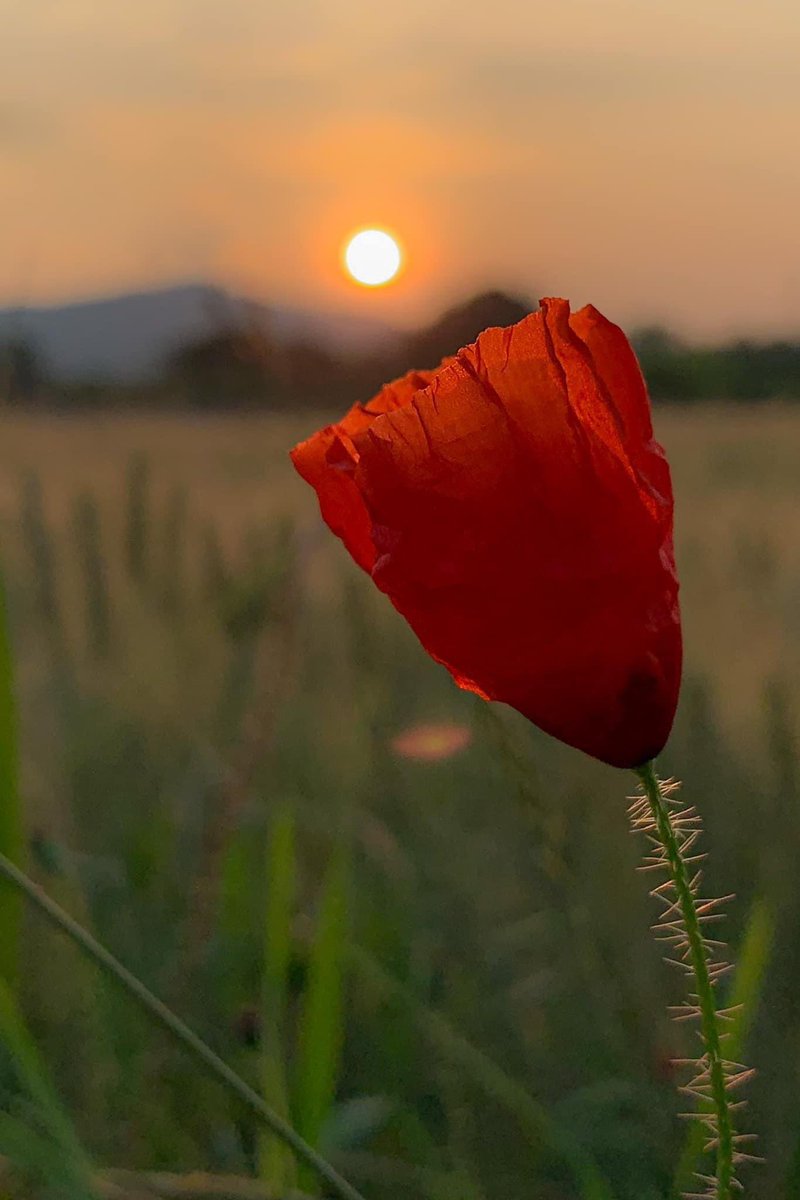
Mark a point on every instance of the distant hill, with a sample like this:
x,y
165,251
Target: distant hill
x,y
128,337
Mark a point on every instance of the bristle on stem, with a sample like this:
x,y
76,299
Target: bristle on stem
x,y
672,831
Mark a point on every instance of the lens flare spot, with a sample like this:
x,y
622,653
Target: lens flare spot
x,y
431,742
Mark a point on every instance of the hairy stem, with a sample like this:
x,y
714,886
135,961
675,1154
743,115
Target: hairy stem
x,y
189,1040
699,958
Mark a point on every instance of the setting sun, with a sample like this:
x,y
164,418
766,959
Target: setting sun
x,y
372,257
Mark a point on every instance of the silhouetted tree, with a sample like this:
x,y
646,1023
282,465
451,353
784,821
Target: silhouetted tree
x,y
22,372
664,363
460,325
228,368
309,372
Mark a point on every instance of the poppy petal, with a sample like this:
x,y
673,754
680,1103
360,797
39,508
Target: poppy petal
x,y
520,516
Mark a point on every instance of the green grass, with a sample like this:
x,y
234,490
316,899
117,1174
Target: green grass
x,y
443,972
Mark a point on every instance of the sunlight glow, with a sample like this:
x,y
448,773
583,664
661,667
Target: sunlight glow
x,y
372,257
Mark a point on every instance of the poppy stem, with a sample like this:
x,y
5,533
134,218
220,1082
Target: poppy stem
x,y
712,1079
181,1032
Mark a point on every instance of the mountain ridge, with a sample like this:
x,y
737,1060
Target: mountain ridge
x,y
127,336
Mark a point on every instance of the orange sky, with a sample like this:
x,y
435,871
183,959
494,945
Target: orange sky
x,y
643,154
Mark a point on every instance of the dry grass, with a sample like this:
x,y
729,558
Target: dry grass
x,y
736,479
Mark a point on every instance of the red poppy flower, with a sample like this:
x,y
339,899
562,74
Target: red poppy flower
x,y
516,510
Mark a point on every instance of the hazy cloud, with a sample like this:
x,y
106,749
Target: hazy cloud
x,y
642,152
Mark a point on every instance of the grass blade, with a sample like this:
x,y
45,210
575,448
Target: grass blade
x,y
39,542
531,1117
173,551
46,1137
754,957
12,842
137,518
276,1165
322,1027
158,1012
89,548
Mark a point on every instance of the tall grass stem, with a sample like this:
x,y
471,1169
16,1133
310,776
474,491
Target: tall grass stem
x,y
157,1010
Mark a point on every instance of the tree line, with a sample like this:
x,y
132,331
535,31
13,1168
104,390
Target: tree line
x,y
244,365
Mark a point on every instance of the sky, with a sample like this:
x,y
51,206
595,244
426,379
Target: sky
x,y
641,154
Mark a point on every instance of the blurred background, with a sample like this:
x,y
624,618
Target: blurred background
x,y
410,919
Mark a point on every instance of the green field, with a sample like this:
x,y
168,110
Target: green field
x,y
442,971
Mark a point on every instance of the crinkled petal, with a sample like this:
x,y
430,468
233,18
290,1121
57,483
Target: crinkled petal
x,y
326,460
521,519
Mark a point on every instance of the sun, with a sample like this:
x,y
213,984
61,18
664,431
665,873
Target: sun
x,y
373,257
